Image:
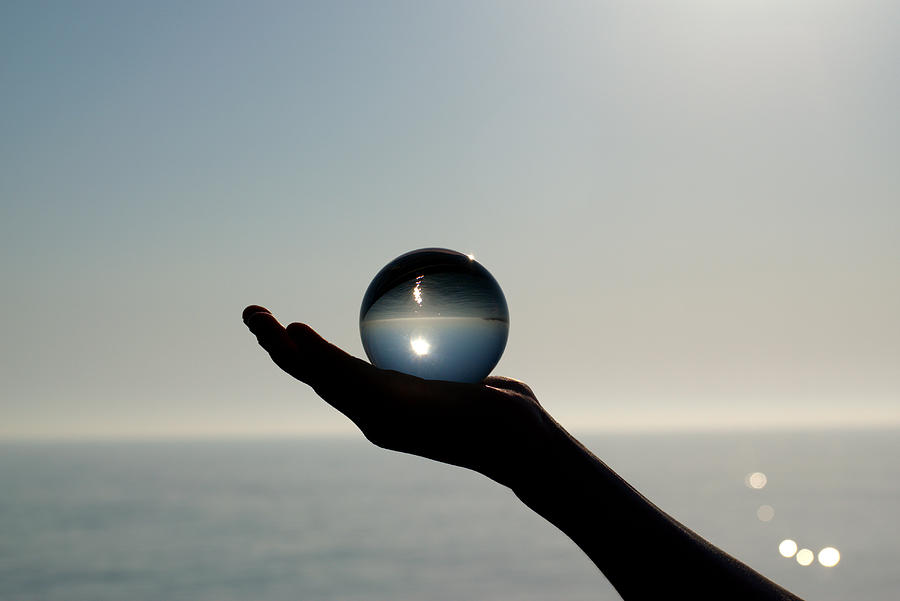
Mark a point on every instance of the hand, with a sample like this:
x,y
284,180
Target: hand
x,y
496,428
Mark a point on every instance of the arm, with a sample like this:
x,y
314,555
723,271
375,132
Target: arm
x,y
499,429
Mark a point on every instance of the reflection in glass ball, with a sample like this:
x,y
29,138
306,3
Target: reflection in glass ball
x,y
436,314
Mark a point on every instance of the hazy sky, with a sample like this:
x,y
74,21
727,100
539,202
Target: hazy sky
x,y
692,207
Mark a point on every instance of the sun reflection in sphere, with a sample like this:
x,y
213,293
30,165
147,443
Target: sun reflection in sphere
x,y
420,346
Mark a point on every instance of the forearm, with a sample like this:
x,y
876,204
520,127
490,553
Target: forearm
x,y
642,551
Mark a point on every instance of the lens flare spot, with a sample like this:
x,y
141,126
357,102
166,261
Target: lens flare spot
x,y
765,513
420,346
787,548
805,557
829,557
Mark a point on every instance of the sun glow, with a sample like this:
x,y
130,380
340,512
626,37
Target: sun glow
x,y
420,346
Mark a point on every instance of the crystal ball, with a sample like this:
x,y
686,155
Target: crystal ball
x,y
436,314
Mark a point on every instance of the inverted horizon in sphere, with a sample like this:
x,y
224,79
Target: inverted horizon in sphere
x,y
436,314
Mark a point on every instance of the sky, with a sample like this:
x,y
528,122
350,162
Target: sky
x,y
692,207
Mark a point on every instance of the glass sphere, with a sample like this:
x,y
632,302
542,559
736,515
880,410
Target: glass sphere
x,y
436,314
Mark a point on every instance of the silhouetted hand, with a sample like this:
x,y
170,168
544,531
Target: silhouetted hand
x,y
495,428
498,428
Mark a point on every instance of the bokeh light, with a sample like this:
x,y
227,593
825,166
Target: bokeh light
x,y
765,513
787,548
829,557
756,480
805,557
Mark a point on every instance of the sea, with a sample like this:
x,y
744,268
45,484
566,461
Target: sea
x,y
339,519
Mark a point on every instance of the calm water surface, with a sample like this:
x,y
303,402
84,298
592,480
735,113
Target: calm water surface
x,y
339,519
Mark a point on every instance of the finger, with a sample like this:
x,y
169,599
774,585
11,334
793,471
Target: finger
x,y
251,310
354,387
367,394
274,339
327,364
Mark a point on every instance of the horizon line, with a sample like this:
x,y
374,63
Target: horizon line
x,y
348,434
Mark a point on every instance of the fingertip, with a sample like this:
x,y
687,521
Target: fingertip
x,y
262,324
252,310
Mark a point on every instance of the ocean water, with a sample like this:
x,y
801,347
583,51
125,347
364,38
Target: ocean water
x,y
340,519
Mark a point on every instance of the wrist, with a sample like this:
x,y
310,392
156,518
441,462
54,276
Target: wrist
x,y
556,465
